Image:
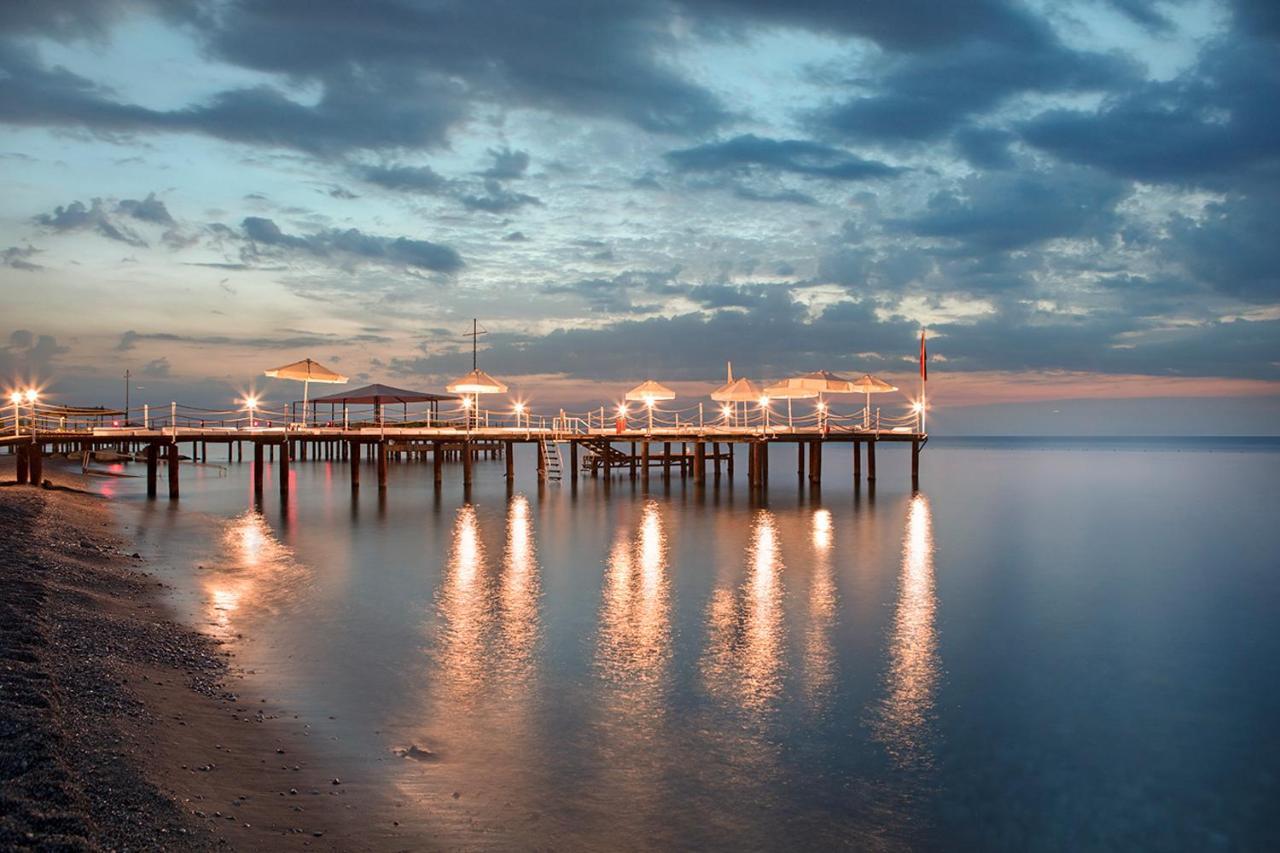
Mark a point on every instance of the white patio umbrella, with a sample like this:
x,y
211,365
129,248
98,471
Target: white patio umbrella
x,y
649,392
737,391
869,385
306,372
789,389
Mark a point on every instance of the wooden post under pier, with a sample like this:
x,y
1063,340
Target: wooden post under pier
x,y
382,465
871,461
153,462
355,465
284,471
173,470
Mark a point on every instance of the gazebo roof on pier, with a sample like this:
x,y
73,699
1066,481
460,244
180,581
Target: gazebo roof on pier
x,y
379,394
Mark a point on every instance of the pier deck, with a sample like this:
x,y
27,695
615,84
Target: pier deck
x,y
690,450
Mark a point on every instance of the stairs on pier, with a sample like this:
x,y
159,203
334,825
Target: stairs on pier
x,y
552,463
600,453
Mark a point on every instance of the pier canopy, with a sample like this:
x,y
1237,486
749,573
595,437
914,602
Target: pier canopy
x,y
379,395
306,372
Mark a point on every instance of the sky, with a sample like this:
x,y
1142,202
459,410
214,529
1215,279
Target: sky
x,y
1078,200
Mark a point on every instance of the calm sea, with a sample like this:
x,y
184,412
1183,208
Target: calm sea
x,y
1056,644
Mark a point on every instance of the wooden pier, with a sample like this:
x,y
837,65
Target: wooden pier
x,y
688,452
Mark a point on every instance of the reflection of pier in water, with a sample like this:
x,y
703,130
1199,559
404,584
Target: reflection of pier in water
x,y
904,723
744,657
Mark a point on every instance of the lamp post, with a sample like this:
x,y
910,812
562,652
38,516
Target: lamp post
x,y
251,403
16,399
764,407
648,402
32,395
519,407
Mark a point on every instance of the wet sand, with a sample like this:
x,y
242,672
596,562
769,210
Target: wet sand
x,y
122,729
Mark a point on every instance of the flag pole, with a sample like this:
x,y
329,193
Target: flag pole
x,y
924,381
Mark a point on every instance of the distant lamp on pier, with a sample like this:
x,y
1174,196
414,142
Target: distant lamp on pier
x,y
32,395
519,409
251,403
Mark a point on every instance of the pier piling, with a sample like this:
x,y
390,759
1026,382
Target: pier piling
x,y
173,470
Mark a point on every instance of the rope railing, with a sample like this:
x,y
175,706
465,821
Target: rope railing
x,y
774,418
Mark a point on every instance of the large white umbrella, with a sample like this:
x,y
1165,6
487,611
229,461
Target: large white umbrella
x,y
789,389
649,392
869,385
737,391
306,372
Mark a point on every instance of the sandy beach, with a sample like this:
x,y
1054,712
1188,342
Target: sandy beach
x,y
125,730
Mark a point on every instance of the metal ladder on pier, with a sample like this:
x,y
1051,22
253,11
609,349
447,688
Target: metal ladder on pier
x,y
552,463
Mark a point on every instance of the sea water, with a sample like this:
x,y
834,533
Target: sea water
x,y
1053,644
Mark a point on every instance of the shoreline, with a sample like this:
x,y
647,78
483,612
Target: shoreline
x,y
126,729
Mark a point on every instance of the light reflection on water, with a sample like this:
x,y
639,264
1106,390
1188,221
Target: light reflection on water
x,y
258,572
907,711
601,668
744,656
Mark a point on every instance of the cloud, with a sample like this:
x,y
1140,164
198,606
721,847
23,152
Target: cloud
x,y
150,209
77,217
796,156
507,164
421,179
156,368
29,357
18,258
1000,211
354,244
288,339
498,199
389,75
923,96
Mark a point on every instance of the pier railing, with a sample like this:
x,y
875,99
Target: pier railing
x,y
775,418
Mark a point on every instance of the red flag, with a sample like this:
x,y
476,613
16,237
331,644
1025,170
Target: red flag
x,y
924,371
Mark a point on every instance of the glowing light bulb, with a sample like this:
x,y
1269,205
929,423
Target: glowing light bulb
x,y
32,395
251,402
519,408
764,401
622,410
917,407
15,397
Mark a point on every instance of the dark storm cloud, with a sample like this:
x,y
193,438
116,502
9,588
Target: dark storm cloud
x,y
796,156
1000,211
354,244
